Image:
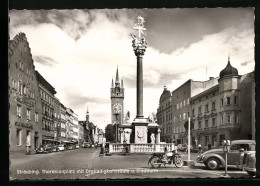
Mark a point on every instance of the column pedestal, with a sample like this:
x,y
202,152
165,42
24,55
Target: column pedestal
x,y
140,126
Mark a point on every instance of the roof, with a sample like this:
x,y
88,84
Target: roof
x,y
243,141
166,94
228,70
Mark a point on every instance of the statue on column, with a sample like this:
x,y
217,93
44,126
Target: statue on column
x,y
152,138
139,43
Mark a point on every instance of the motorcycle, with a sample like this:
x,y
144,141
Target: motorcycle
x,y
157,159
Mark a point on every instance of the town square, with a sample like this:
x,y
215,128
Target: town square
x,y
132,94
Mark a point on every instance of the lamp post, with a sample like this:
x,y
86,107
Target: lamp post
x,y
226,148
116,114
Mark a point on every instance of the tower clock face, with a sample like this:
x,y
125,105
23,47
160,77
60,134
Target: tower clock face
x,y
117,108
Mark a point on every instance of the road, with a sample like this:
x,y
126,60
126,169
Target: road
x,y
85,163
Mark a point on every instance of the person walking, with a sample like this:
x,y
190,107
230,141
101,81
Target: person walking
x,y
200,149
209,146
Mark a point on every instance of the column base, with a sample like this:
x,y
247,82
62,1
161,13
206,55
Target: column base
x,y
188,163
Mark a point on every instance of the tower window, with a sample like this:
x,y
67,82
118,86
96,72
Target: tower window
x,y
235,100
222,102
228,100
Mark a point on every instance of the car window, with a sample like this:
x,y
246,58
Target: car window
x,y
239,146
252,147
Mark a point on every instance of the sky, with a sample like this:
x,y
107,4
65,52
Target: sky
x,y
78,51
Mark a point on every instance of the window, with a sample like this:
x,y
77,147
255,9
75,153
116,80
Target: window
x,y
228,119
184,116
206,108
180,117
199,125
188,101
222,119
213,105
206,123
19,137
221,138
180,104
184,103
28,114
239,146
222,101
228,100
193,112
235,100
236,118
19,108
28,138
213,122
206,140
177,105
199,110
36,117
214,139
173,119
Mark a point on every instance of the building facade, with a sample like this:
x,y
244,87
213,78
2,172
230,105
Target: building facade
x,y
226,110
174,109
47,93
63,121
57,118
117,100
69,124
220,108
25,110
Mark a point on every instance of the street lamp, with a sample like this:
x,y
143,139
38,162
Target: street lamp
x,y
116,114
226,148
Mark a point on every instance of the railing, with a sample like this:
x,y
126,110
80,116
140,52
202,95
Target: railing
x,y
140,148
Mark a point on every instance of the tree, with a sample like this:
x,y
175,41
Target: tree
x,y
110,131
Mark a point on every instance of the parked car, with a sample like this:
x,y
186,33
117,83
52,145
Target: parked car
x,y
182,147
48,149
77,146
62,147
71,147
194,149
40,150
86,145
215,158
250,163
55,148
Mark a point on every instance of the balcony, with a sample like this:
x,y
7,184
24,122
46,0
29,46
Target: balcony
x,y
140,148
229,125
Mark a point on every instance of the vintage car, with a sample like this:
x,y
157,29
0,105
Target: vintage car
x,y
86,144
194,149
182,147
215,158
61,147
48,148
250,163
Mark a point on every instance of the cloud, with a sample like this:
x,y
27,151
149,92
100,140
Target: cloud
x,y
44,60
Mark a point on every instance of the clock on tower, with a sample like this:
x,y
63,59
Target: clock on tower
x,y
117,100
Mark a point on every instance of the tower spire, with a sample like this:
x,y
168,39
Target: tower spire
x,y
112,84
117,78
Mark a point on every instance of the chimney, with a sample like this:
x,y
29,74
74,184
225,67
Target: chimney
x,y
210,78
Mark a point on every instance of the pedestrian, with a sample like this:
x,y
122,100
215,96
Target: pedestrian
x,y
200,149
186,148
209,146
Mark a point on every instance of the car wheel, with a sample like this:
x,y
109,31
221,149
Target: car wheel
x,y
251,173
212,163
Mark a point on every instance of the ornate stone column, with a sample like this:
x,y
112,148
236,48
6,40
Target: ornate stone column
x,y
139,46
